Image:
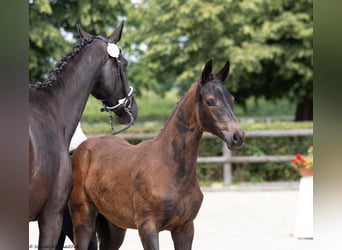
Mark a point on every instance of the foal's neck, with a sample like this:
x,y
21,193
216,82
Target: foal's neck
x,y
184,134
182,122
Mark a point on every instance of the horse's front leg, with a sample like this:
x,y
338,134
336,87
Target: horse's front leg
x,y
149,235
50,227
182,236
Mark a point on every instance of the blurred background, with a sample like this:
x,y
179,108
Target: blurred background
x,y
167,42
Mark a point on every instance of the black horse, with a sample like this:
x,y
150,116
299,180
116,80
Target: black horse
x,y
94,66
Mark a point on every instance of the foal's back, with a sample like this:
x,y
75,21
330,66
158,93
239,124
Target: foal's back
x,y
114,151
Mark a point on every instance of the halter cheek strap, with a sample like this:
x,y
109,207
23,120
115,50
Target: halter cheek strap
x,y
114,52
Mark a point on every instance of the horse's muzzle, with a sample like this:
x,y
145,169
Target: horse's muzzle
x,y
235,140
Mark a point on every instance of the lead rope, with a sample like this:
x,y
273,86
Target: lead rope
x,y
111,122
123,129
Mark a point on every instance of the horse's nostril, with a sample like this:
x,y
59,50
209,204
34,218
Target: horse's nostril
x,y
237,139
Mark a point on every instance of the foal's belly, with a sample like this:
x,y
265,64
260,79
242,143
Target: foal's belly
x,y
166,213
114,203
120,217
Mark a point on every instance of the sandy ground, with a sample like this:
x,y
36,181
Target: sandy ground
x,y
234,219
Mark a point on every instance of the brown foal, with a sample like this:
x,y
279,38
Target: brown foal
x,y
153,186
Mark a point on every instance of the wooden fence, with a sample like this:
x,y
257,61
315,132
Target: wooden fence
x,y
227,158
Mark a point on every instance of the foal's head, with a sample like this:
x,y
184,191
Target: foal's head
x,y
215,107
111,86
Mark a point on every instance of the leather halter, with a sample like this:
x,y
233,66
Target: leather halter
x,y
123,103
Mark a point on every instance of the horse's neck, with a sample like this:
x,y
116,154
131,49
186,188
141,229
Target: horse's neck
x,y
75,85
184,134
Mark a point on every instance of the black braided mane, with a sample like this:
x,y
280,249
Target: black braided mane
x,y
61,65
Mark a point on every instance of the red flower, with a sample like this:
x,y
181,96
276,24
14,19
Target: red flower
x,y
299,160
298,155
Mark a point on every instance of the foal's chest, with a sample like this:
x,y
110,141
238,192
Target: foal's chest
x,y
180,209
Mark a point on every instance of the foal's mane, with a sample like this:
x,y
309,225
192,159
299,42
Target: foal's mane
x,y
185,95
52,77
181,100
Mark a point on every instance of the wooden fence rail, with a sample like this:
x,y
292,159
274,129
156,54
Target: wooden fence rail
x,y
227,158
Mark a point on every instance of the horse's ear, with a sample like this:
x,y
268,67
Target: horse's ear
x,y
223,73
206,73
82,33
116,35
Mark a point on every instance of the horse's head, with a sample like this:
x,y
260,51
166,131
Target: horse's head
x,y
215,107
111,86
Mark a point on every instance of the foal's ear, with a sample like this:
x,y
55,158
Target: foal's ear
x,y
206,73
116,35
82,33
223,73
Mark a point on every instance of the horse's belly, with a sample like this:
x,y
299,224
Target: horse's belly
x,y
39,190
49,180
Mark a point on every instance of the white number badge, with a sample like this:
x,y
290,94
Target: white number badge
x,y
113,50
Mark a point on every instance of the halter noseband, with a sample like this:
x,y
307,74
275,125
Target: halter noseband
x,y
123,103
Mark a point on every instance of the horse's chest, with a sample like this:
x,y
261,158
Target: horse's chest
x,y
184,207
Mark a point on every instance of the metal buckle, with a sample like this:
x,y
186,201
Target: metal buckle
x,y
122,102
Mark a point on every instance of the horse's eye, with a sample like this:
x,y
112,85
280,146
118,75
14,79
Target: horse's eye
x,y
210,102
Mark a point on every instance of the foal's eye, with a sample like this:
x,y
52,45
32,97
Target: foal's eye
x,y
210,102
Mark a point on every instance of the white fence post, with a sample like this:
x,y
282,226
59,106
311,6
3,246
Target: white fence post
x,y
227,166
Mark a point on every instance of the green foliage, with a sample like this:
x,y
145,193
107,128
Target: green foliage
x,y
269,42
51,20
271,146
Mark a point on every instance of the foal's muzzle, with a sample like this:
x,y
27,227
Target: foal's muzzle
x,y
234,140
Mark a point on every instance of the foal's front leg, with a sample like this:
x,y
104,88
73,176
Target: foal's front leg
x,y
110,235
182,236
83,219
149,235
67,230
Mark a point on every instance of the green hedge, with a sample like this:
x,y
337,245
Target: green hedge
x,y
255,172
